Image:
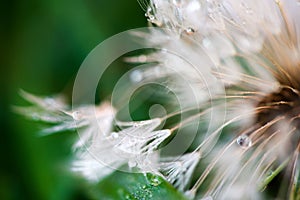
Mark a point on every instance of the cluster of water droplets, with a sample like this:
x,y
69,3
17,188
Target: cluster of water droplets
x,y
150,16
174,14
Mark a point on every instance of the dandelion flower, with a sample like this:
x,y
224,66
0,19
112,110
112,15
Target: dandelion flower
x,y
255,51
238,68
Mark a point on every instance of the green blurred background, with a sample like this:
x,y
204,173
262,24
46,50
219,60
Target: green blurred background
x,y
43,44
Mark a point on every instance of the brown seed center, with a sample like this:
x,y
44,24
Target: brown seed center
x,y
284,102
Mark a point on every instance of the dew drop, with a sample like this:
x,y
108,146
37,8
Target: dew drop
x,y
77,115
151,18
163,50
132,164
155,181
269,173
190,31
190,194
149,10
149,15
114,135
244,141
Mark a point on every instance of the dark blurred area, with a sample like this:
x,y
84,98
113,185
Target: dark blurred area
x,y
43,44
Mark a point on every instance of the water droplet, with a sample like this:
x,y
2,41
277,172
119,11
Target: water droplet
x,y
77,115
132,164
183,169
190,31
149,10
163,50
190,194
269,173
136,76
155,181
244,141
151,18
114,135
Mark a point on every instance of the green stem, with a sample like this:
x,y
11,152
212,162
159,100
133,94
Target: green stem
x,y
273,175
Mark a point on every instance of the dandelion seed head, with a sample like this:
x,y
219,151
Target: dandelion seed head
x,y
285,102
242,56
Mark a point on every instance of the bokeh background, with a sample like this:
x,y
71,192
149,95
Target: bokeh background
x,y
43,44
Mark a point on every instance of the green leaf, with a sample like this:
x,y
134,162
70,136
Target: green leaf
x,y
136,186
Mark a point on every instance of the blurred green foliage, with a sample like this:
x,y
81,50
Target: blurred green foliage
x,y
43,44
133,186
